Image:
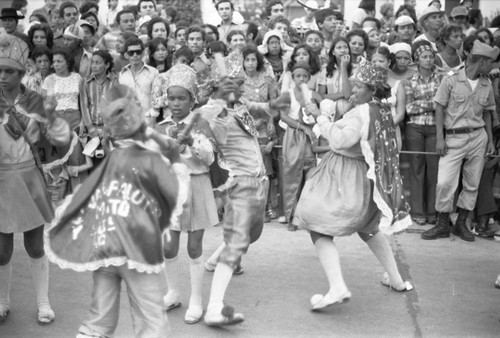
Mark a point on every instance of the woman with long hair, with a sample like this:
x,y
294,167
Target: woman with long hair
x,y
158,55
334,83
358,43
302,53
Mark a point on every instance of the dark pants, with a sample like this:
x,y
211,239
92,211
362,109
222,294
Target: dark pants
x,y
485,204
423,169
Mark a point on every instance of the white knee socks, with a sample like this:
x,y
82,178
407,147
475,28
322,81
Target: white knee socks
x,y
5,274
40,273
197,269
220,282
330,261
172,275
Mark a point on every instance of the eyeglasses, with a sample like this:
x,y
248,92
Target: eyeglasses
x,y
134,52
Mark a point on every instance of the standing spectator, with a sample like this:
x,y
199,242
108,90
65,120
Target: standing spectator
x,y
451,38
9,18
282,25
475,20
366,8
94,89
302,53
119,60
212,33
69,13
307,22
400,69
469,101
159,57
42,57
126,22
432,21
329,23
459,17
334,83
407,11
420,133
41,35
358,42
405,29
274,8
147,8
225,9
139,76
316,40
251,31
274,50
46,11
113,9
387,20
485,35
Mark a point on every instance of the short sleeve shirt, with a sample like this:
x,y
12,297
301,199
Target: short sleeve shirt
x,y
463,107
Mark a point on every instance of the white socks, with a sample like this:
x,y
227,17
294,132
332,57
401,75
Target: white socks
x,y
196,269
40,273
220,282
330,261
172,275
5,274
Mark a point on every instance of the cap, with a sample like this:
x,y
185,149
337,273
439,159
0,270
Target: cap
x,y
428,11
484,49
458,11
404,20
74,31
310,4
82,23
400,47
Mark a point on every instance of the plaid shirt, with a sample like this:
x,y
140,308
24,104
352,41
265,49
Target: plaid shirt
x,y
419,98
90,99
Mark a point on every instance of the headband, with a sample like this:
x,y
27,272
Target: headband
x,y
420,50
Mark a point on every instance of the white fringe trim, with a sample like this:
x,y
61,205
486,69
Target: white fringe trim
x,y
385,225
61,161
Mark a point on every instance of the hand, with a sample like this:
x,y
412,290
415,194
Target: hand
x,y
168,146
441,148
313,110
344,61
183,140
271,128
268,148
72,171
490,150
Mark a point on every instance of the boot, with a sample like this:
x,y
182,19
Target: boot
x,y
441,230
460,228
483,228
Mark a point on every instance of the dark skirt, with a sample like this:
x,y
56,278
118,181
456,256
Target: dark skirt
x,y
24,200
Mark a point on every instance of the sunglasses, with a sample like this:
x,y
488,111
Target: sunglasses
x,y
134,52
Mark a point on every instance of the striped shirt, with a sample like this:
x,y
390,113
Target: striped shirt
x,y
90,98
419,98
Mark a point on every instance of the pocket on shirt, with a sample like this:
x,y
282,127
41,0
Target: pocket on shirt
x,y
459,102
483,101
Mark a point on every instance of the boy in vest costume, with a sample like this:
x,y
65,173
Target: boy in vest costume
x,y
113,225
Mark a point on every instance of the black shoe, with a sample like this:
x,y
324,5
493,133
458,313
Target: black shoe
x,y
238,270
483,227
441,230
460,228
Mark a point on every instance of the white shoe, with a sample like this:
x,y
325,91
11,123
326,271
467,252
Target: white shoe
x,y
282,220
171,300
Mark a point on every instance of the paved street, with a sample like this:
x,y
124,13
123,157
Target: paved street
x,y
453,296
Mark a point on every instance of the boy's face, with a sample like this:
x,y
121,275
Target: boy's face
x,y
134,54
330,24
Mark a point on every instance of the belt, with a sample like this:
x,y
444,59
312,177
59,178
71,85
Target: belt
x,y
461,130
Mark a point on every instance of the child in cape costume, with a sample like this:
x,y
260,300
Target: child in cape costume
x,y
113,224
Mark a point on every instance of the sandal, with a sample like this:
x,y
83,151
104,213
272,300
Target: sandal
x,y
385,282
45,314
226,317
319,302
4,313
